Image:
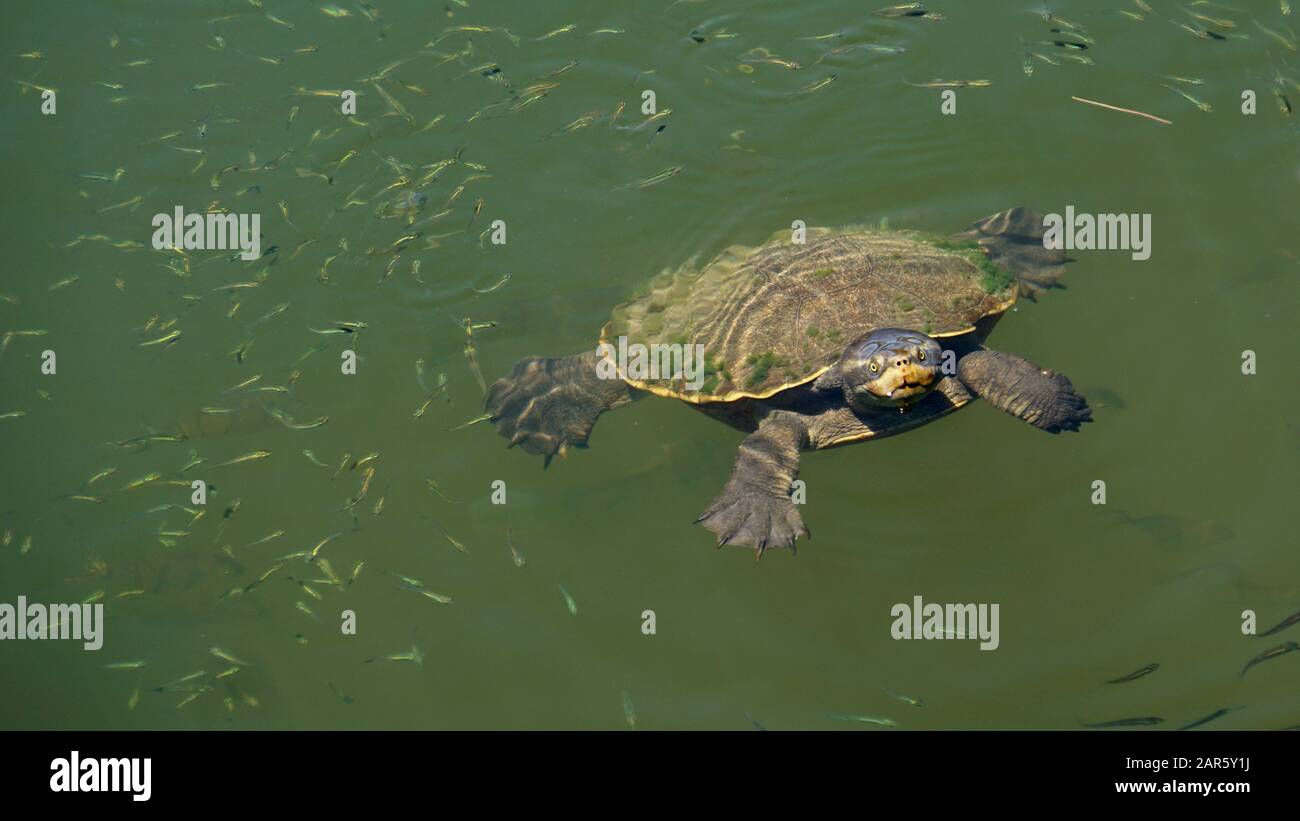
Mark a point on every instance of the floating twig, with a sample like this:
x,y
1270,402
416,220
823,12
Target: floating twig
x,y
1123,110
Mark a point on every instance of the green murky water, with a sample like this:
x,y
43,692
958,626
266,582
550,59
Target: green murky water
x,y
1199,460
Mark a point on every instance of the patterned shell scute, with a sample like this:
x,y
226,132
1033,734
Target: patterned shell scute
x,y
773,317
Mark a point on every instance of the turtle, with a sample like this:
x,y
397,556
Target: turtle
x,y
846,336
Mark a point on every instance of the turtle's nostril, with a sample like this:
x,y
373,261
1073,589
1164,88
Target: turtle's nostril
x,y
901,362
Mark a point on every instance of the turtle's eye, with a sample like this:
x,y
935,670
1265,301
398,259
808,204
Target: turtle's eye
x,y
874,367
920,356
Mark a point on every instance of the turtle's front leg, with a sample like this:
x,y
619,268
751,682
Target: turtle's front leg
x,y
755,509
1013,384
549,405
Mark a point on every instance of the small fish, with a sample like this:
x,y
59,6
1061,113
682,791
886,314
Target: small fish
x,y
136,200
162,340
1287,44
1290,620
1220,713
151,437
438,597
558,31
499,283
450,539
880,722
515,555
629,711
582,122
143,480
252,380
415,654
1218,22
721,34
645,122
1201,104
1145,721
247,457
241,351
1283,104
1194,81
103,474
952,84
1136,674
777,61
288,421
35,87
328,570
1271,653
667,173
915,702
271,314
569,602
125,665
179,683
434,487
302,607
226,655
485,417
277,534
817,85
903,10
315,550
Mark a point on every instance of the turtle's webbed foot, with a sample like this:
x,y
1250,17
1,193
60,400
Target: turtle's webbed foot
x,y
1062,409
545,405
746,515
1041,397
1013,240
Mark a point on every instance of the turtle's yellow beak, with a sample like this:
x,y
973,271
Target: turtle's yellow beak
x,y
902,381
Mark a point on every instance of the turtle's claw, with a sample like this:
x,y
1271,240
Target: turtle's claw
x,y
1064,409
750,517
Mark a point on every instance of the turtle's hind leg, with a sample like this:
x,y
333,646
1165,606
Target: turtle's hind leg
x,y
755,508
1013,384
548,405
1013,240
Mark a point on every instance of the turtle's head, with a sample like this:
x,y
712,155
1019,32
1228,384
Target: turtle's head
x,y
890,367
